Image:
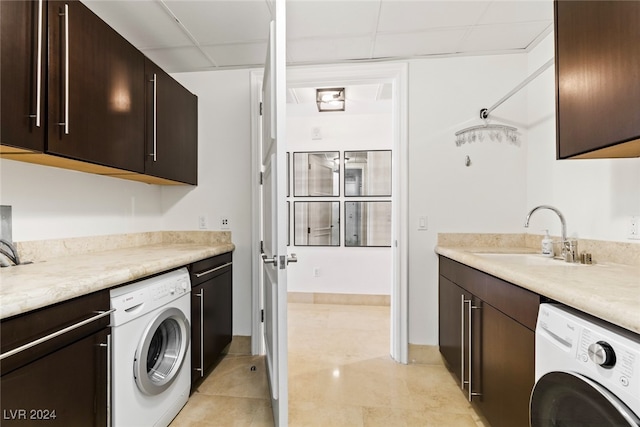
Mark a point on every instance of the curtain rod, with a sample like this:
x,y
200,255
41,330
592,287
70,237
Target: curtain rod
x,y
484,113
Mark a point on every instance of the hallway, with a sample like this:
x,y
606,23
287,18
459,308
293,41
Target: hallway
x,y
340,374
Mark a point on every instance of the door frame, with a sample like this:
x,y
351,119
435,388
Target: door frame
x,y
395,73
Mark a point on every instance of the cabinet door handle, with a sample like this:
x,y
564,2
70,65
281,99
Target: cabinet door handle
x,y
471,307
107,345
201,368
53,335
65,119
220,267
462,303
37,115
155,117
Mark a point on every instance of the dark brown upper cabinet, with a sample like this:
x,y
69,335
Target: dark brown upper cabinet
x,y
96,90
75,95
597,78
171,127
22,74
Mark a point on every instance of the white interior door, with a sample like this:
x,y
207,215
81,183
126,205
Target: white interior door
x,y
274,215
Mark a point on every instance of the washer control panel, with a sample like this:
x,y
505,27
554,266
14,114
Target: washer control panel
x,y
135,299
612,357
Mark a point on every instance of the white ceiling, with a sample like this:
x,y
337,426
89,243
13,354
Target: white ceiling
x,y
186,35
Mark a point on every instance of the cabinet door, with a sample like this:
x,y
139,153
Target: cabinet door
x,y
451,322
507,369
212,327
217,325
65,388
171,127
22,56
96,98
598,87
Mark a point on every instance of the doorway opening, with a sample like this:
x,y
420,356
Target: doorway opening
x,y
341,196
391,75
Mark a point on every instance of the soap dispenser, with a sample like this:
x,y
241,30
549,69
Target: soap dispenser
x,y
547,245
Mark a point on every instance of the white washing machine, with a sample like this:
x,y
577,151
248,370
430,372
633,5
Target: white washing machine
x,y
151,355
587,371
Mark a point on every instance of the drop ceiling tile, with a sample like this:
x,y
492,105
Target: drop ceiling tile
x,y
223,21
322,50
502,36
409,16
500,12
419,43
174,60
331,18
145,24
240,54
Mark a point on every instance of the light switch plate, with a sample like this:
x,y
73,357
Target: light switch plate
x,y
423,223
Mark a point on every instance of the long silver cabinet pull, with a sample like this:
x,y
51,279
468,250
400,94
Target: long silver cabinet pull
x,y
107,345
462,303
469,313
155,117
201,368
37,115
220,267
65,123
55,334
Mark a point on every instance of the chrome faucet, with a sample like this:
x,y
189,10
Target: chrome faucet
x,y
569,247
10,252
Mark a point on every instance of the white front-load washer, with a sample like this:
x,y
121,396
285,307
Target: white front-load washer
x,y
151,355
587,371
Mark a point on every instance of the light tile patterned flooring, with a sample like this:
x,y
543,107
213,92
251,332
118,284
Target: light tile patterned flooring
x,y
340,374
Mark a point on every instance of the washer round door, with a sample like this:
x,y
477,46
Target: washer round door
x,y
565,399
161,351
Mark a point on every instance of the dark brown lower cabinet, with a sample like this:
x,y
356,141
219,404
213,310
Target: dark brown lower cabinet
x,y
211,314
487,338
506,369
63,381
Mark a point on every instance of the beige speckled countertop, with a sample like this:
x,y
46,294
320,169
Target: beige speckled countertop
x,y
80,266
607,290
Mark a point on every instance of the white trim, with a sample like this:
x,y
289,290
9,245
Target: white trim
x,y
395,73
257,344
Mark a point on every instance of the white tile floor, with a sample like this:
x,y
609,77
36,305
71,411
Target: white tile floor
x,y
340,374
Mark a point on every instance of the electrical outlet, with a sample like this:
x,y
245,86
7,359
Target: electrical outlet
x,y
316,272
634,228
225,224
202,222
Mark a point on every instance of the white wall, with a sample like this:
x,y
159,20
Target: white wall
x,y
50,203
446,95
224,175
597,197
342,270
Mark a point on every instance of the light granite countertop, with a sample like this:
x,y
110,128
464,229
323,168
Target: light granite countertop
x,y
606,290
84,269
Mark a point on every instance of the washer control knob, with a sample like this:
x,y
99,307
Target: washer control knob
x,y
602,354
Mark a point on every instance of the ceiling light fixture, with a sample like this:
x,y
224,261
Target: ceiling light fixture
x,y
330,99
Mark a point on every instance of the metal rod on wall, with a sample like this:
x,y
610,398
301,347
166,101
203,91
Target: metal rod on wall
x,y
484,113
